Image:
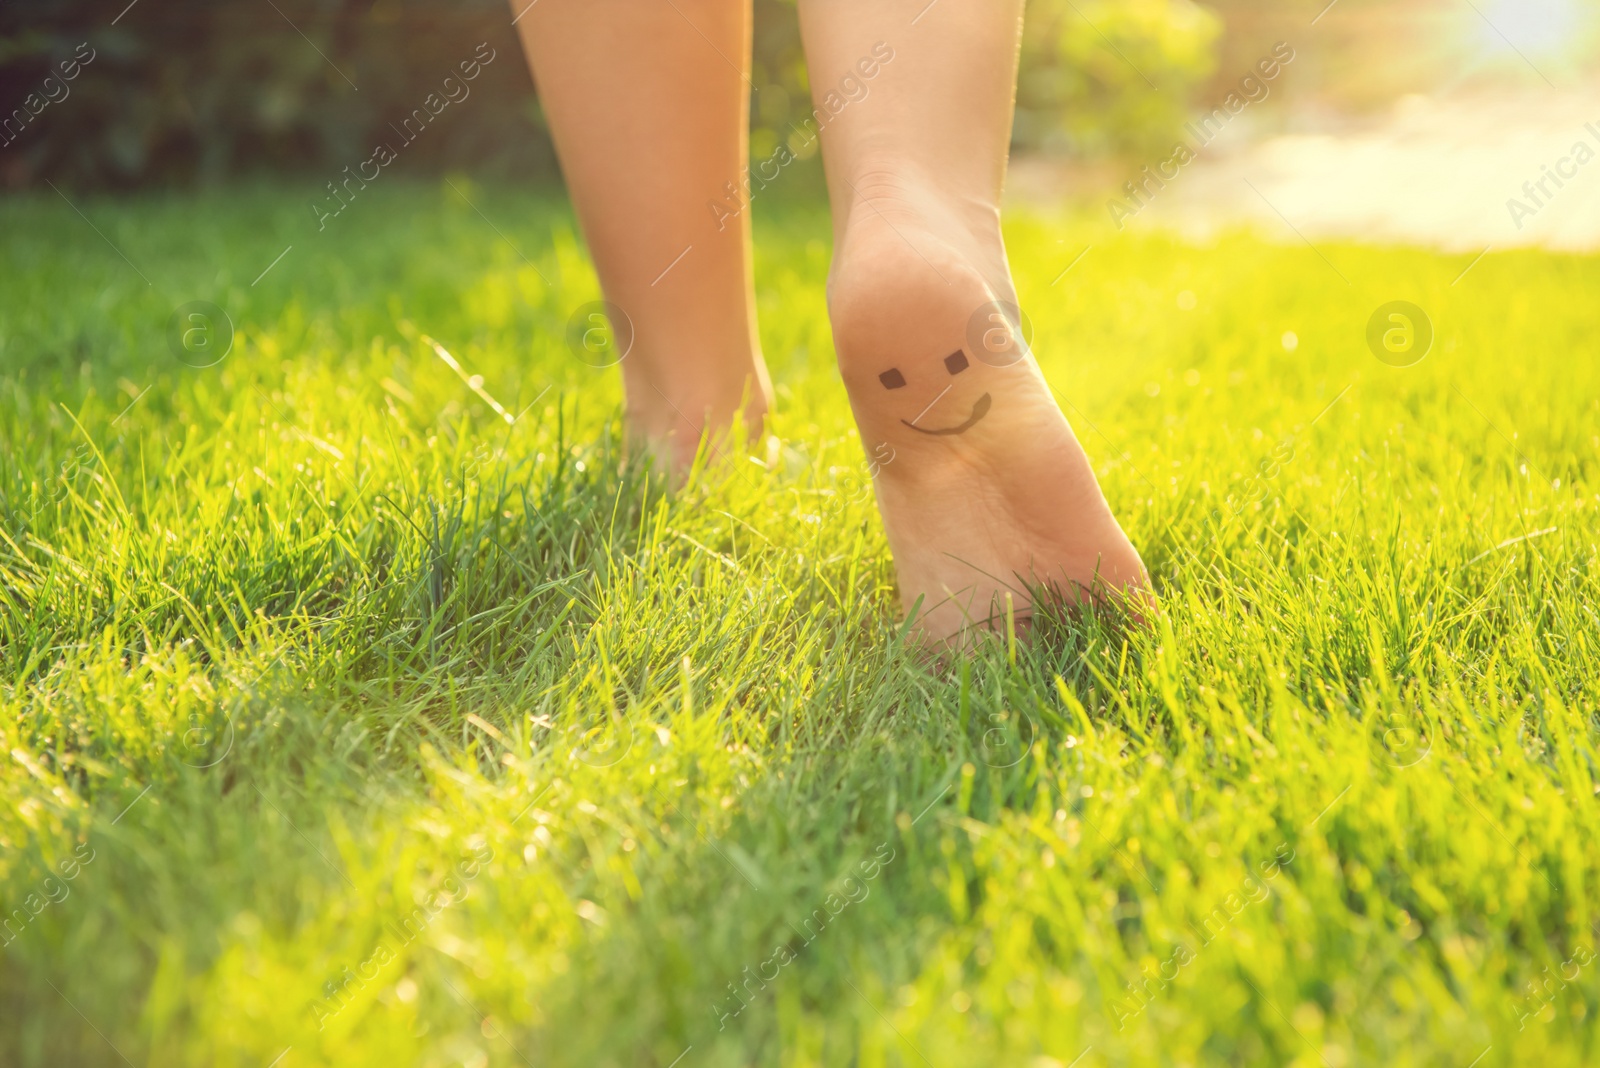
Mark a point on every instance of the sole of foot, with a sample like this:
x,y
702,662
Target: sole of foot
x,y
989,498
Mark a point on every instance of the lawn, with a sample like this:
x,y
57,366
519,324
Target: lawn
x,y
351,724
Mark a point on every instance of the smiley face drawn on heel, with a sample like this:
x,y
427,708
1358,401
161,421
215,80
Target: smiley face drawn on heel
x,y
955,363
979,409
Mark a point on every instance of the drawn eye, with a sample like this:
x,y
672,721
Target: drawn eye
x,y
892,378
956,362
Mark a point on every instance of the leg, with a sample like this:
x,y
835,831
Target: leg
x,y
648,104
989,494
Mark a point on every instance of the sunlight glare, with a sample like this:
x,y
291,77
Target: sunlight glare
x,y
1533,27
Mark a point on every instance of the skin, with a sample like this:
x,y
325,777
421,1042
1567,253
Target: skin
x,y
990,501
648,105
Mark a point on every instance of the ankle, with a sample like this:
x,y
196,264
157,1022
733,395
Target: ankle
x,y
907,194
670,405
905,201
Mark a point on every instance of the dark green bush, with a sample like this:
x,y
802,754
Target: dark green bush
x,y
188,89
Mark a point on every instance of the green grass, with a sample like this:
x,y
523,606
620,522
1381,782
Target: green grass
x,y
292,642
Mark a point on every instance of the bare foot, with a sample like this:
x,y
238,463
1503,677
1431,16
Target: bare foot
x,y
671,404
989,495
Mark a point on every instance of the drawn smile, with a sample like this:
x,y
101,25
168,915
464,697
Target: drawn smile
x,y
979,410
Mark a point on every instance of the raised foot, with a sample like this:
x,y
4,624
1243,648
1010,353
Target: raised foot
x,y
989,496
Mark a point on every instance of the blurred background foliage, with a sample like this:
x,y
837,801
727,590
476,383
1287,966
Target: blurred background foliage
x,y
194,91
1089,68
